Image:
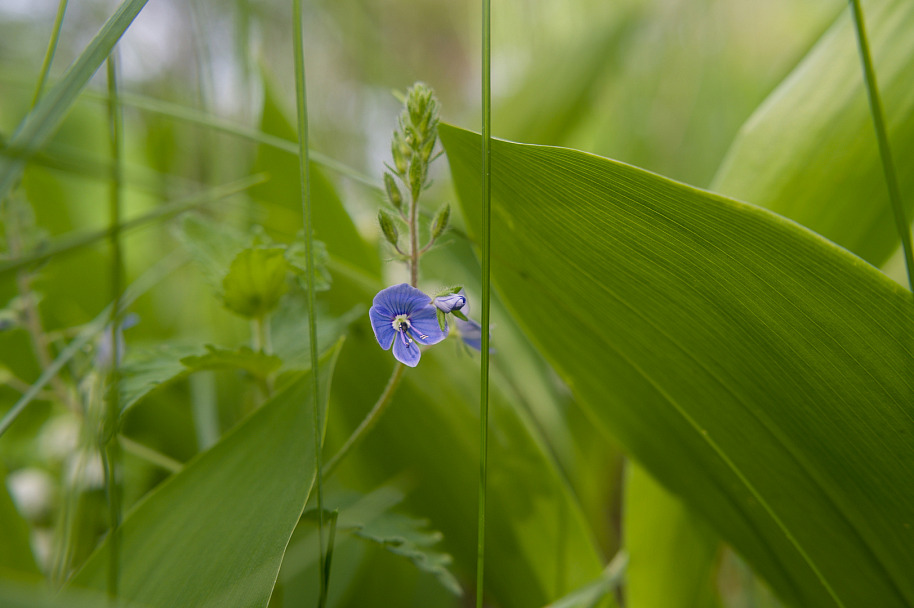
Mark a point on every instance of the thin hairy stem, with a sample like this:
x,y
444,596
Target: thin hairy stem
x,y
369,421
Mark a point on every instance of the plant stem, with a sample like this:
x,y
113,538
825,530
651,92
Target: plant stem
x,y
110,447
369,421
486,267
885,152
49,54
302,111
414,252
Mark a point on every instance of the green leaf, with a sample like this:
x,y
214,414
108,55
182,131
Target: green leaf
x,y
255,281
212,244
215,533
43,120
15,550
672,554
758,371
257,363
598,592
827,175
371,518
144,371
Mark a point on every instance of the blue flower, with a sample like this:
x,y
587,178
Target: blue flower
x,y
450,302
404,317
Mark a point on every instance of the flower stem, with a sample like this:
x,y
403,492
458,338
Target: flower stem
x,y
369,421
414,252
885,153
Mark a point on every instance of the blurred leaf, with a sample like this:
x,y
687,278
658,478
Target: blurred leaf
x,y
15,549
144,371
213,245
673,555
756,370
370,517
257,363
215,533
809,152
43,120
255,281
295,254
282,193
591,595
17,595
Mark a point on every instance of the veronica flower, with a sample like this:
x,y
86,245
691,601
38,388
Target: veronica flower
x,y
404,317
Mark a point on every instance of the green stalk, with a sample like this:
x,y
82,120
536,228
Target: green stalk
x,y
486,267
885,152
302,111
110,447
49,54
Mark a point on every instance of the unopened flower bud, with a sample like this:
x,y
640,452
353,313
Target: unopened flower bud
x,y
393,191
450,302
417,170
400,152
388,227
440,221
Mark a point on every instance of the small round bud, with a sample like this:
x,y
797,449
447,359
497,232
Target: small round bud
x,y
388,227
393,191
440,221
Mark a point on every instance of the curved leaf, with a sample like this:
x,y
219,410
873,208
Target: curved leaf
x,y
758,371
215,533
809,151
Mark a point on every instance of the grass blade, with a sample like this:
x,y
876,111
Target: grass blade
x,y
35,129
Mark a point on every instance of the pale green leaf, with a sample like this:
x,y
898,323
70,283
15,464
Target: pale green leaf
x,y
257,363
755,369
215,533
809,151
673,555
256,280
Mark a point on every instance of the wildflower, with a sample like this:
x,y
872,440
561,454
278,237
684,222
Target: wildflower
x,y
404,317
450,302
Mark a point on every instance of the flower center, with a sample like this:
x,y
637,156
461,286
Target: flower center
x,y
402,326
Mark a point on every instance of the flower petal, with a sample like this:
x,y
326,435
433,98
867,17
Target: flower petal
x,y
470,332
381,323
425,321
401,299
406,352
450,302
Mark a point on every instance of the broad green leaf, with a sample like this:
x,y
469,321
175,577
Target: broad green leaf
x,y
144,371
18,595
673,555
756,370
215,533
255,281
43,120
212,244
809,152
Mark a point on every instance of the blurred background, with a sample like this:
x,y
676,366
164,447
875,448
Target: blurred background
x,y
661,84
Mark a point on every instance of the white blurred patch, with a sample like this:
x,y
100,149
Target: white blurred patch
x,y
32,490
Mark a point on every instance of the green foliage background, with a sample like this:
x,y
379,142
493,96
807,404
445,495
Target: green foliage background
x,y
701,394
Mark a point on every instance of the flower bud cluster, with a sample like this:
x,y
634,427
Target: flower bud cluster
x,y
414,140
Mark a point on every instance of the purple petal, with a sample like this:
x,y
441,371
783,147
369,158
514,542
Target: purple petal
x,y
470,332
425,321
400,299
381,324
406,352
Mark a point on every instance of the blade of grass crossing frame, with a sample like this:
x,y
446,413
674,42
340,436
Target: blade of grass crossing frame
x,y
486,243
302,114
49,54
35,129
885,152
110,448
